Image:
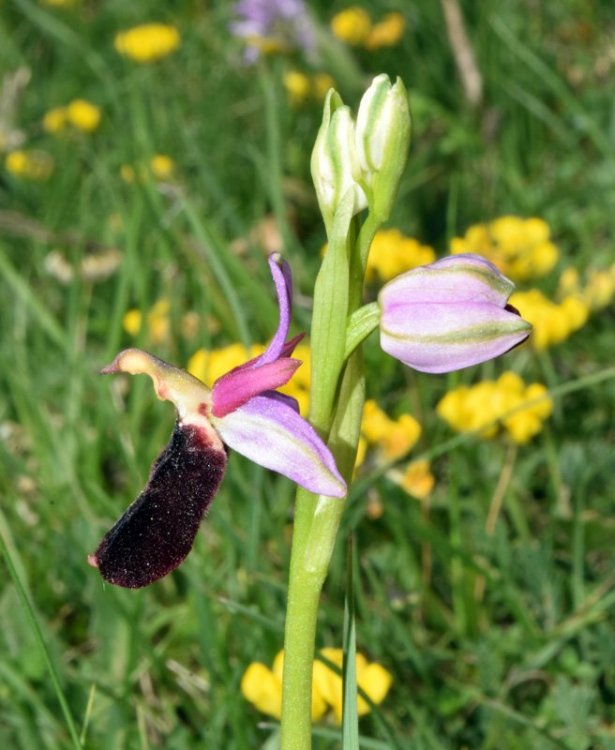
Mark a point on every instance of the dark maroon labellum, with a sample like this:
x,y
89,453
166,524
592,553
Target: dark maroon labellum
x,y
158,530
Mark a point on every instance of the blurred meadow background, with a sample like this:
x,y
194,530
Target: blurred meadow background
x,y
143,180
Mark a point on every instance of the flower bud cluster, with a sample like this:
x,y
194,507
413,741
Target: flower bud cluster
x,y
362,161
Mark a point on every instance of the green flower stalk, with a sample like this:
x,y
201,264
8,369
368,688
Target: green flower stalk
x,y
350,174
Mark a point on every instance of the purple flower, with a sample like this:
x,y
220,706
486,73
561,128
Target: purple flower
x,y
242,411
272,26
450,314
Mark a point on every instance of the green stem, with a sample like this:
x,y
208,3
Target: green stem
x,y
317,521
301,613
337,397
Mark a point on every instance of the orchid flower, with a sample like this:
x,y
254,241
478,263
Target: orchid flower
x,y
242,411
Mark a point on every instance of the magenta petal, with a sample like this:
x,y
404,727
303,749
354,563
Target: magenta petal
x,y
442,337
269,431
238,386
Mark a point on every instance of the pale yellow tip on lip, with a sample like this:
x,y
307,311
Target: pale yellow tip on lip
x,y
191,397
93,561
134,362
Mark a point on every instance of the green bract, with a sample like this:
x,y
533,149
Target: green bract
x,y
366,158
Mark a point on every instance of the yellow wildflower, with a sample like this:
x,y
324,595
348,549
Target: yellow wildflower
x,y
386,33
301,87
352,25
157,319
297,87
394,438
29,165
492,405
401,438
520,248
162,166
127,173
190,324
596,291
83,115
569,282
132,322
417,479
148,42
523,425
552,322
374,508
375,422
321,83
599,289
54,120
372,678
393,253
262,687
80,114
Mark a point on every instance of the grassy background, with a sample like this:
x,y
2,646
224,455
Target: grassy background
x,y
532,663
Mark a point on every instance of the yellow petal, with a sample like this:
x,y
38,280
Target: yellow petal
x,y
376,682
132,322
262,689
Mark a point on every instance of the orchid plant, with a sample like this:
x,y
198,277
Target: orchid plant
x,y
437,318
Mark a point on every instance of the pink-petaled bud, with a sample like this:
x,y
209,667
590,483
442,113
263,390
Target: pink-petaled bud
x,y
450,314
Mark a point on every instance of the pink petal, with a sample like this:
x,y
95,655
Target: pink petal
x,y
444,337
456,278
240,385
270,432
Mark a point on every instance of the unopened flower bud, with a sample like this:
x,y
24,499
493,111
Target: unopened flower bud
x,y
450,314
383,138
335,165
